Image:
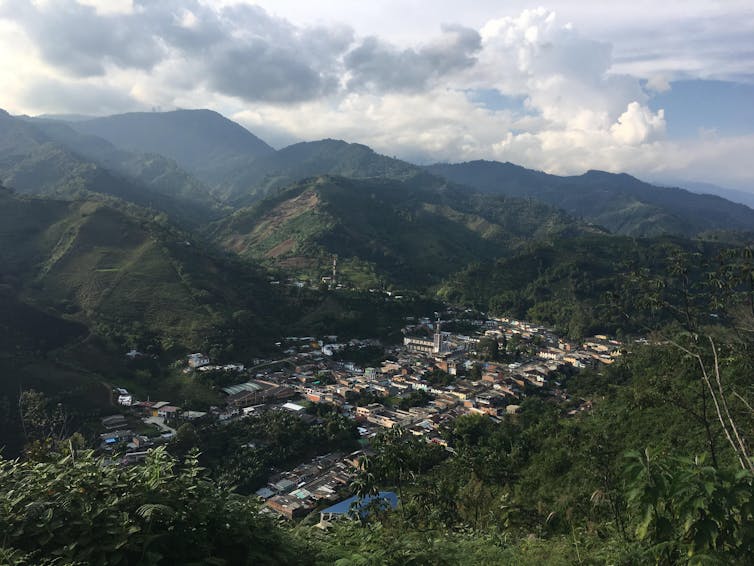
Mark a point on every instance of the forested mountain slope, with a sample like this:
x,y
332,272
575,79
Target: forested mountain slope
x,y
116,270
621,203
406,232
201,141
48,158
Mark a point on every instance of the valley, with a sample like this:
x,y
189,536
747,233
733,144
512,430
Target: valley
x,y
488,345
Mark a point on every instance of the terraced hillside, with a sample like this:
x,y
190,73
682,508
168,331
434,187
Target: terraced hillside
x,y
411,232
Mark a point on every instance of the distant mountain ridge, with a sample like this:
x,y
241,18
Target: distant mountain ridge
x,y
201,141
241,169
310,159
619,202
45,157
733,195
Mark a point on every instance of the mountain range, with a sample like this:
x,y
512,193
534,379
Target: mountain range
x,y
169,224
619,202
200,153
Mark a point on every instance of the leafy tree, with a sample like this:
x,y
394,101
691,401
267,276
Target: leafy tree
x,y
81,509
488,349
685,508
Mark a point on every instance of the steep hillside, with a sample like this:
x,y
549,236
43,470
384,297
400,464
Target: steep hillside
x,y
405,232
582,285
117,272
621,203
201,141
159,173
48,158
309,159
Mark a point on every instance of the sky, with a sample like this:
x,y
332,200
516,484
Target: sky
x,y
662,90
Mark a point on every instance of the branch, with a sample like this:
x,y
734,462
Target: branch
x,y
725,406
744,402
720,417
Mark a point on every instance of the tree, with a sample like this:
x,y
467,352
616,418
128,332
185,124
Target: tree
x,y
488,349
80,509
39,420
685,508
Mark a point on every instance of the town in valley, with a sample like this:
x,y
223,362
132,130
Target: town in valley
x,y
451,364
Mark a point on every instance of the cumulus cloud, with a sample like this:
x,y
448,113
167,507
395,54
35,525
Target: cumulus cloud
x,y
638,124
658,83
238,50
570,109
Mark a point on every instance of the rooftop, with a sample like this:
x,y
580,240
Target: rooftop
x,y
250,386
386,499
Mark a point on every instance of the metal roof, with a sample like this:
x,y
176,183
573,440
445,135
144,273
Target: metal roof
x,y
248,386
387,499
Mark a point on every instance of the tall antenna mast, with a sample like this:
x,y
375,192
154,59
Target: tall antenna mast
x,y
334,271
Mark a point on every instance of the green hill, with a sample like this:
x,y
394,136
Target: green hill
x,y
410,232
119,272
582,285
621,203
310,159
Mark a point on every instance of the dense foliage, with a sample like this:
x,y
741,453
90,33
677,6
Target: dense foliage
x,y
82,510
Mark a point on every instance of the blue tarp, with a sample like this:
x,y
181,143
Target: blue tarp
x,y
386,500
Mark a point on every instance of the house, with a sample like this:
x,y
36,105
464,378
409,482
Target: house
x,y
283,485
168,412
110,439
289,506
193,415
264,493
197,360
125,399
293,407
255,392
154,409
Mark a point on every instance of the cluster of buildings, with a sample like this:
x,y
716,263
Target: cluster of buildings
x,y
422,385
296,493
160,416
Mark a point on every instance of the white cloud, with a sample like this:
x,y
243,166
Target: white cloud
x,y
638,125
658,83
293,80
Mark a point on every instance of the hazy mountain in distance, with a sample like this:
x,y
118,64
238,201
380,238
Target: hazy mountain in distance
x,y
45,157
733,195
619,202
239,166
65,117
241,169
201,141
156,171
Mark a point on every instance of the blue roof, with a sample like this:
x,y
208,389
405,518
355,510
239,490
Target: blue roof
x,y
387,499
